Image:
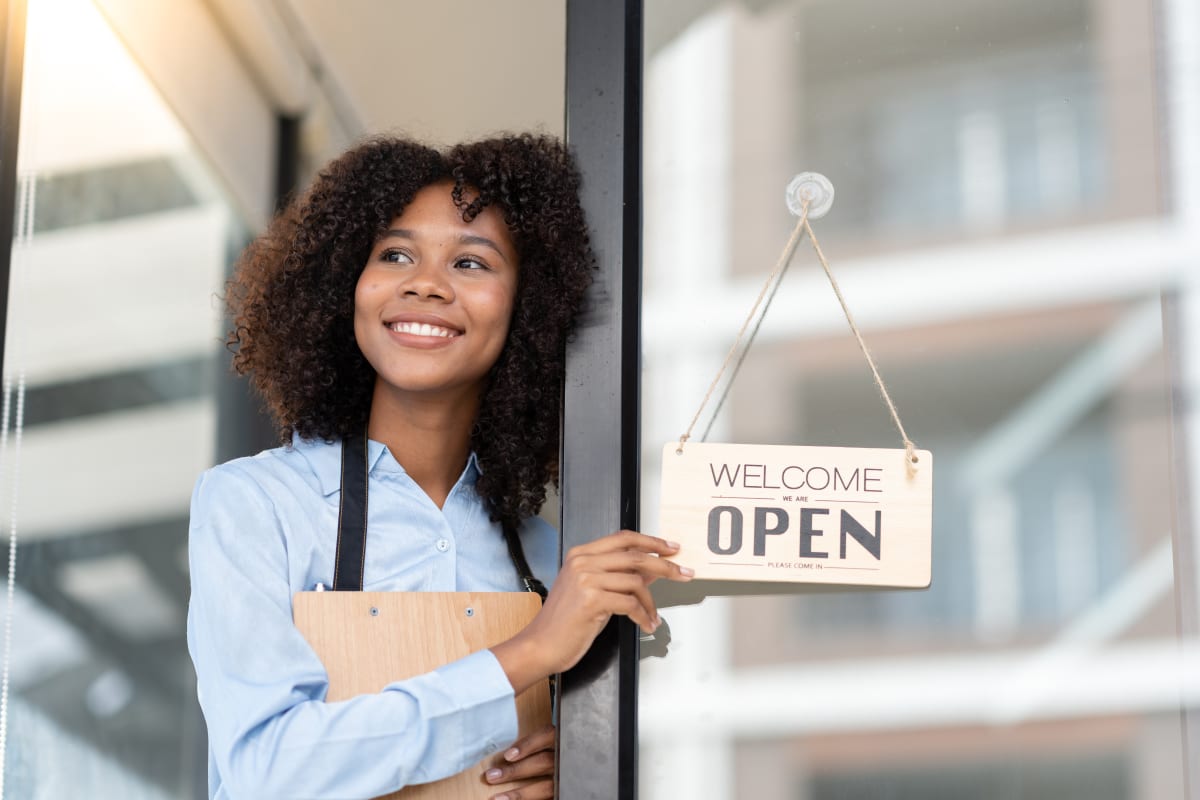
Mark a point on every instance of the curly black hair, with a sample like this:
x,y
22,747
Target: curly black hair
x,y
292,299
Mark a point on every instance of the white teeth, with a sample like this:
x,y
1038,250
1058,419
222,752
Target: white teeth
x,y
421,329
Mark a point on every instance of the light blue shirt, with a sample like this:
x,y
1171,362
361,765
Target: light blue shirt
x,y
264,528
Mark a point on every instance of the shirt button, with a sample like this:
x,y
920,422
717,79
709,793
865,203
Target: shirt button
x,y
443,545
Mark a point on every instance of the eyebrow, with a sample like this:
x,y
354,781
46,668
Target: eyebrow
x,y
466,238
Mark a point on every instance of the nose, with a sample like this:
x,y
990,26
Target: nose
x,y
427,281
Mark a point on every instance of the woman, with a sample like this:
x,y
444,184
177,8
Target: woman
x,y
424,299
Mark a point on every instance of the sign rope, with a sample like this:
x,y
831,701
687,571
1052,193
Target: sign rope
x,y
745,352
803,227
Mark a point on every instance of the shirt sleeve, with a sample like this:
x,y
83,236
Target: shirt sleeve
x,y
262,688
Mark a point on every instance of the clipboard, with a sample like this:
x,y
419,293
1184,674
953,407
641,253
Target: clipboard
x,y
367,640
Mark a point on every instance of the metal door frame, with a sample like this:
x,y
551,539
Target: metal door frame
x,y
597,722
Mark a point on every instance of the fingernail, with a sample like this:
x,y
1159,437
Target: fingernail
x,y
512,754
494,774
501,797
687,571
673,545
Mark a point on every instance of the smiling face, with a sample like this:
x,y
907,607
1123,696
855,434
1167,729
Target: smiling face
x,y
432,306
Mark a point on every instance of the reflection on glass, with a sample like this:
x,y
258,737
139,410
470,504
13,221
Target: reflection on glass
x,y
1004,236
112,337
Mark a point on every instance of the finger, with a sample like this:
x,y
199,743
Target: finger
x,y
542,739
647,608
630,605
599,604
542,790
537,765
650,567
626,540
632,586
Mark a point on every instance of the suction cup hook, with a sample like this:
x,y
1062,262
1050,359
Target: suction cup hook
x,y
813,187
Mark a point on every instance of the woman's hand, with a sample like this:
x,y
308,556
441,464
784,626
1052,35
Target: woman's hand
x,y
605,577
530,757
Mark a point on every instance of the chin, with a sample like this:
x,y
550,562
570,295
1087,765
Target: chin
x,y
426,385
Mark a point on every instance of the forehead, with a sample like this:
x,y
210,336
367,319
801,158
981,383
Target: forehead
x,y
433,207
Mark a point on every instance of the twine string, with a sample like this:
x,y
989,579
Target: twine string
x,y
772,283
737,367
910,455
784,257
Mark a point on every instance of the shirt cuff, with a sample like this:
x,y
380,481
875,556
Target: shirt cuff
x,y
488,705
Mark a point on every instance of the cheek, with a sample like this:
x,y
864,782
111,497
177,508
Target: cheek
x,y
371,290
364,291
366,287
504,310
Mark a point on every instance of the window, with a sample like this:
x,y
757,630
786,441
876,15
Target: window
x,y
113,341
1001,235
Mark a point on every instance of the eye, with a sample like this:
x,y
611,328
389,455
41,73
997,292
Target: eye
x,y
470,263
396,256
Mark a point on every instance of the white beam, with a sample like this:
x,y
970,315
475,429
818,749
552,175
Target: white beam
x,y
1035,425
1071,652
113,469
128,293
1181,27
1146,676
1019,274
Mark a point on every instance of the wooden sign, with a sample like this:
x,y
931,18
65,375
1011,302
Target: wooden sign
x,y
367,640
823,515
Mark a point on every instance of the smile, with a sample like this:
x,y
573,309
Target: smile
x,y
423,329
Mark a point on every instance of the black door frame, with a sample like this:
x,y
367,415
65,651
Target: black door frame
x,y
597,714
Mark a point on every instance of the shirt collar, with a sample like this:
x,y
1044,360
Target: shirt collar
x,y
325,458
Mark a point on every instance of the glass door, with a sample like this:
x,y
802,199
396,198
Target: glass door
x,y
111,352
1014,185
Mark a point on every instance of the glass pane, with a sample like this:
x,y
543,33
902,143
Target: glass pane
x,y
111,350
1012,181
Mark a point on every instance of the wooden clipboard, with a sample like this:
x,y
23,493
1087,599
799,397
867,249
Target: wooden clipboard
x,y
367,640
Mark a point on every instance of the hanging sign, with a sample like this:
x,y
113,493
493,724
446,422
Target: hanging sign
x,y
824,515
829,515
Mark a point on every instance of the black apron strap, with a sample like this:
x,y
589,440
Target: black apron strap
x,y
352,526
352,517
516,551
